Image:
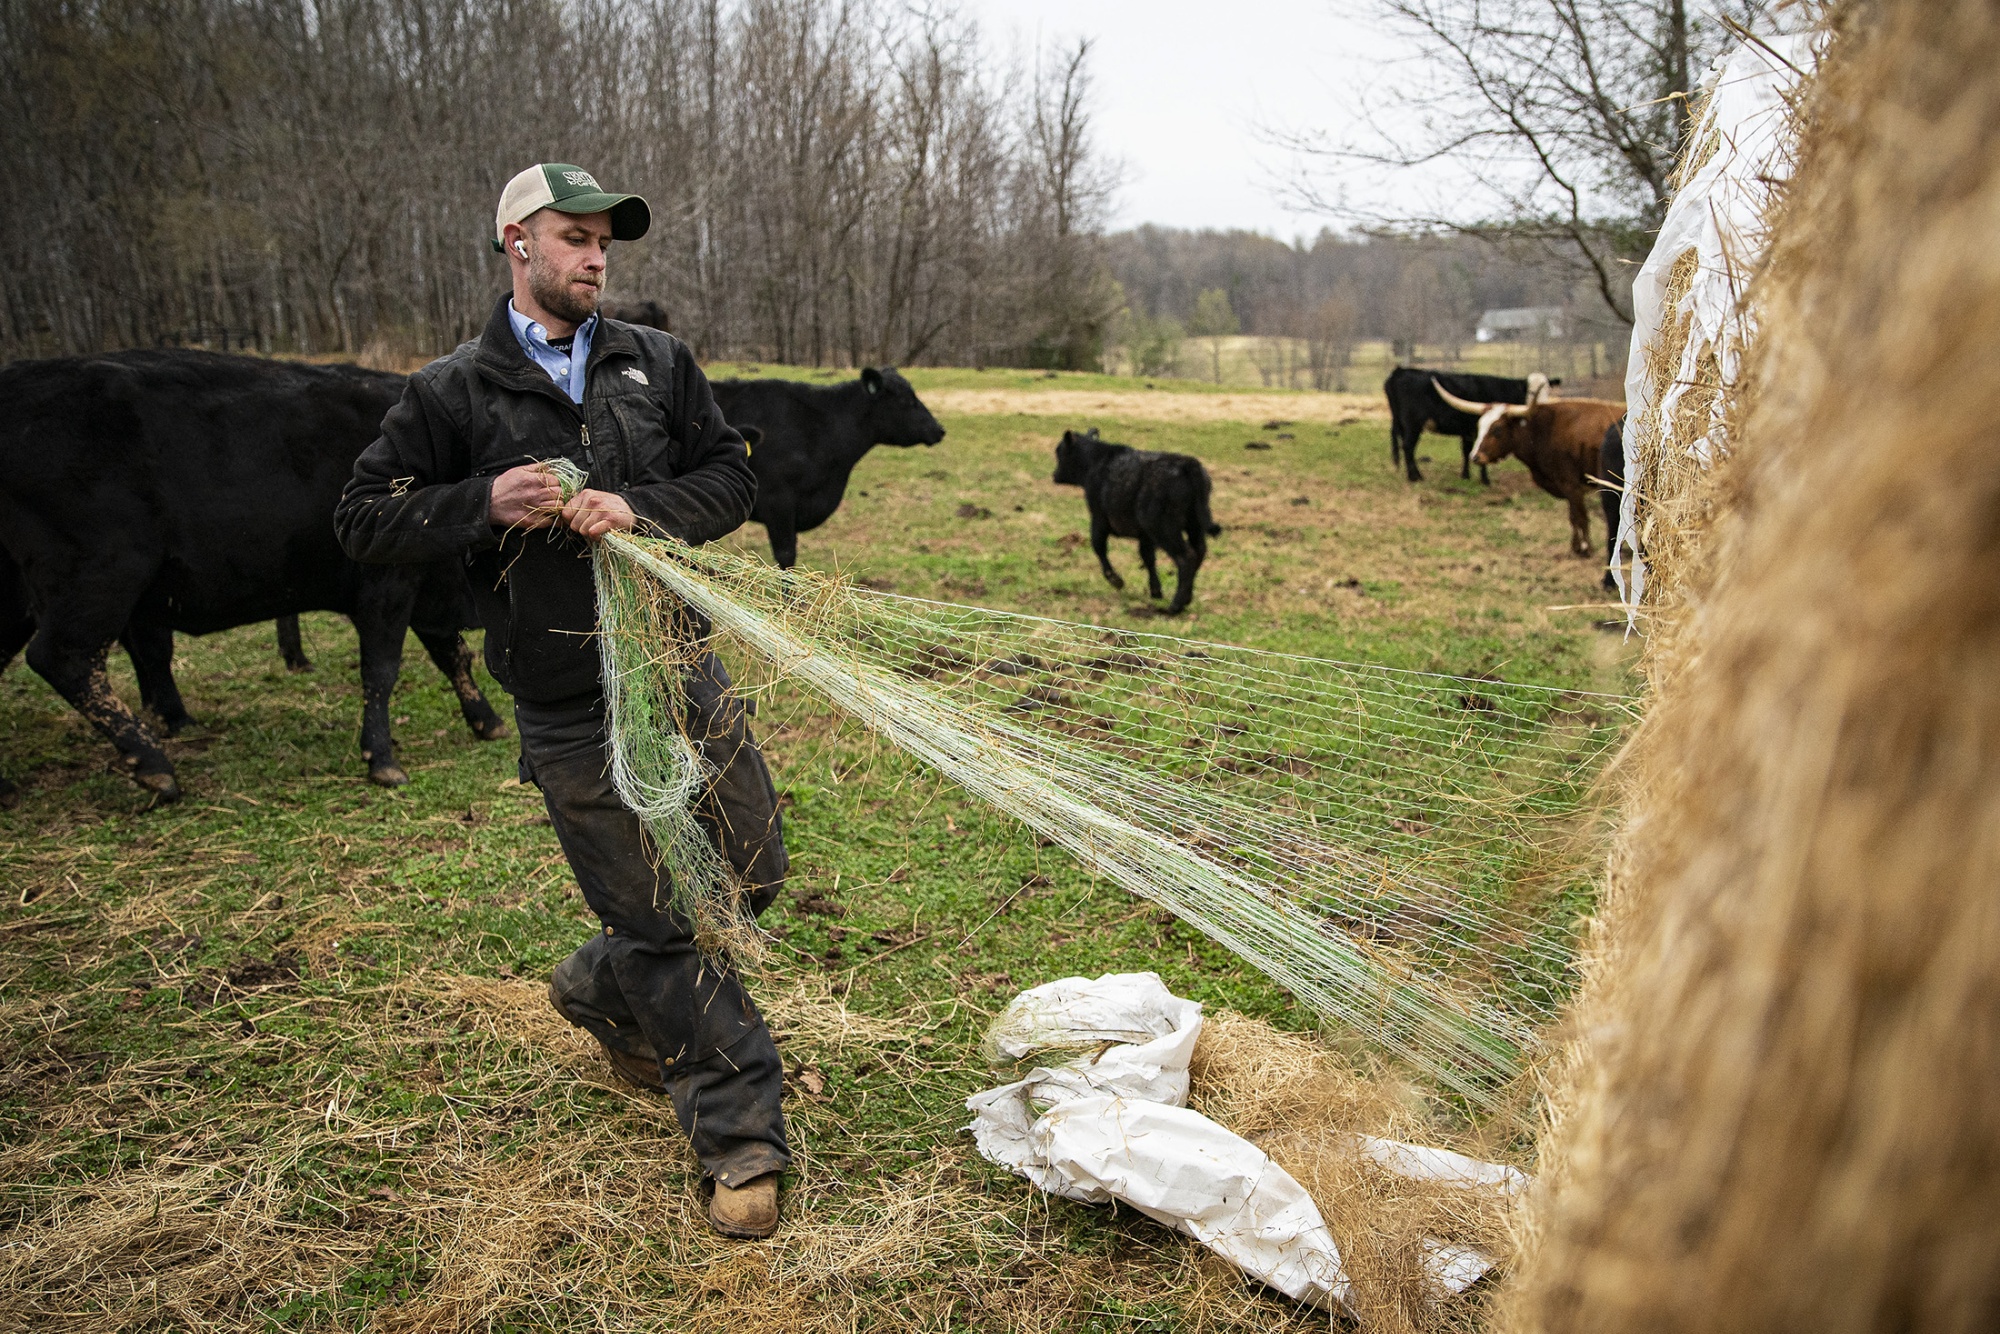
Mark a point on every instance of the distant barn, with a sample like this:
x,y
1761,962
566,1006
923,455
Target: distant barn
x,y
1522,324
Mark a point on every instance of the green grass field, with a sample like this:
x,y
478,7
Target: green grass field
x,y
1278,365
278,1058
1246,361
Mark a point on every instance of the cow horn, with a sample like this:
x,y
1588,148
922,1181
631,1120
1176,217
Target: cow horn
x,y
1462,404
1538,387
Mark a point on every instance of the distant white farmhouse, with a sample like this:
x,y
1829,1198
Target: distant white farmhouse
x,y
1531,323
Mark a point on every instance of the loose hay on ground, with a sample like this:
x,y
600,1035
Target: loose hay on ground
x,y
546,1193
1303,1105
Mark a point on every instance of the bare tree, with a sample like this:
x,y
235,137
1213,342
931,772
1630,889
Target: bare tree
x,y
1149,346
1062,197
1271,355
1214,320
1418,307
833,180
1555,121
1330,333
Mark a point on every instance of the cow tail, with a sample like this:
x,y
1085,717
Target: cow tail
x,y
1198,475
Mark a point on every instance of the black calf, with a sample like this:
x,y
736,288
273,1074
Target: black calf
x,y
1160,499
17,627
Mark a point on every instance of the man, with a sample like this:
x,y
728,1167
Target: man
x,y
460,468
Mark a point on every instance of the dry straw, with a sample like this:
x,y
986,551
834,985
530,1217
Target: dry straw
x,y
1675,505
524,1202
543,1194
1779,1110
1283,1092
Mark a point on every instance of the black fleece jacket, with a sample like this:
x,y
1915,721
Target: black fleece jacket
x,y
648,428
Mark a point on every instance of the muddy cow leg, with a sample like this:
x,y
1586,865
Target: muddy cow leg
x,y
290,647
71,659
1187,560
17,621
782,527
1147,551
151,648
1197,541
1579,523
453,657
1100,542
381,622
17,626
1609,499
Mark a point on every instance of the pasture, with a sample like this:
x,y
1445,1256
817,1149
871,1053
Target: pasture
x,y
280,1057
1248,361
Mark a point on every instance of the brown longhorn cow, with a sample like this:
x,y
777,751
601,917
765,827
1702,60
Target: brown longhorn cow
x,y
1559,439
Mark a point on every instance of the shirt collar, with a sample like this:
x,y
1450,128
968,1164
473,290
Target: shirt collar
x,y
530,333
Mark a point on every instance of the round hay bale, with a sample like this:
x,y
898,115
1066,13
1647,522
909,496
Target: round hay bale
x,y
1779,1108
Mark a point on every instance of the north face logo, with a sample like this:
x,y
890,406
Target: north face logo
x,y
582,178
638,375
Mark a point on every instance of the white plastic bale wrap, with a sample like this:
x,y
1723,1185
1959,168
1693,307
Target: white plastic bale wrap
x,y
1112,1124
1180,1168
1153,1032
1720,214
1421,1163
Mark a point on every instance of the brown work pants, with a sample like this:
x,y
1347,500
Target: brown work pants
x,y
640,984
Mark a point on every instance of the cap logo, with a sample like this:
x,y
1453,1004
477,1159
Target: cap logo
x,y
582,178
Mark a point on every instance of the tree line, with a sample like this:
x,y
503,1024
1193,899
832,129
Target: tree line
x,y
832,181
1331,291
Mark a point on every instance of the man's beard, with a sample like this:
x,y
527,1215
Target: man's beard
x,y
560,298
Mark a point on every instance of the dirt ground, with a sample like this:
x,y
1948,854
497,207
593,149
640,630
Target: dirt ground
x,y
1153,405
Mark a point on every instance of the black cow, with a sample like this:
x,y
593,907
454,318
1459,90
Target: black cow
x,y
290,647
649,313
812,436
1161,499
1414,407
145,493
1611,468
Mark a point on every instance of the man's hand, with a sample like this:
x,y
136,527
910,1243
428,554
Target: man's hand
x,y
592,514
525,497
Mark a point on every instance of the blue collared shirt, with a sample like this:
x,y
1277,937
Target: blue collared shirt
x,y
565,368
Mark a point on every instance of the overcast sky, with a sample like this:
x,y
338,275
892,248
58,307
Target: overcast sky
x,y
1182,88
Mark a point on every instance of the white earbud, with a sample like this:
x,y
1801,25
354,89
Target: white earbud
x,y
521,249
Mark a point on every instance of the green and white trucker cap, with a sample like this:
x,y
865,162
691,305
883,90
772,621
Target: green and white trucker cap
x,y
568,189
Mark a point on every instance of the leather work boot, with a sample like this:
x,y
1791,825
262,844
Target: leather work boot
x,y
632,1069
748,1212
